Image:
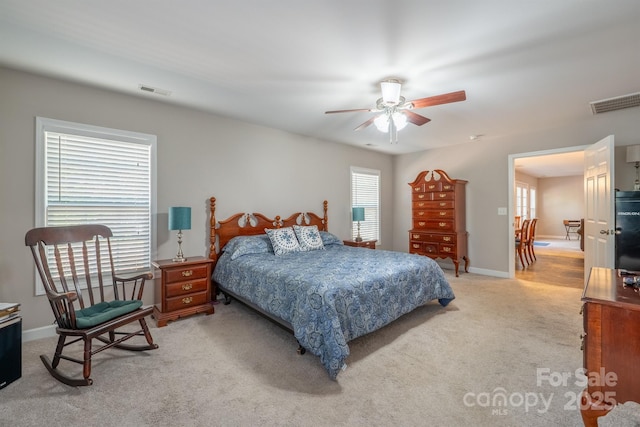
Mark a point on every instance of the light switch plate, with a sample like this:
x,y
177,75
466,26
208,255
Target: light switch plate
x,y
502,211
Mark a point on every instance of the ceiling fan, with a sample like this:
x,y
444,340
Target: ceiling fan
x,y
395,110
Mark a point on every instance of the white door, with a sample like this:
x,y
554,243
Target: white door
x,y
599,238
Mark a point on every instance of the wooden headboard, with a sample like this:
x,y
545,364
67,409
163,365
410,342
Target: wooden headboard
x,y
244,224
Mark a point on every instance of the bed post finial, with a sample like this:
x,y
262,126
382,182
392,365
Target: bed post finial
x,y
212,227
325,205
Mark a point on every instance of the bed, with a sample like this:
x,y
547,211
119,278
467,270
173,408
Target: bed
x,y
326,295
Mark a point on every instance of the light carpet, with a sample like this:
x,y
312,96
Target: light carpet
x,y
435,366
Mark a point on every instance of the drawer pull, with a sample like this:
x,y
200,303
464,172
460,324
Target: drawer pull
x,y
447,187
187,286
416,245
421,205
417,189
187,300
421,223
442,224
416,236
420,196
421,213
442,213
443,204
187,273
431,187
446,238
442,195
446,249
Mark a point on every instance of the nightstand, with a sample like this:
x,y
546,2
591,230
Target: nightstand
x,y
183,289
370,244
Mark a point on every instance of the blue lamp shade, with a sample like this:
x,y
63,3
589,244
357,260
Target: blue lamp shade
x,y
179,218
357,214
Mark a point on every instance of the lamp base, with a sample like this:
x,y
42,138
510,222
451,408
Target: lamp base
x,y
177,259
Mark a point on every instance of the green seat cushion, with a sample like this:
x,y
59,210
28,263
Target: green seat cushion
x,y
104,311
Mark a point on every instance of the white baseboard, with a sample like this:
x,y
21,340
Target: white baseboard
x,y
37,333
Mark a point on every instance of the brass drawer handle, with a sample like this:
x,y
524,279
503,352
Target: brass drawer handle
x,y
446,238
442,224
442,195
421,223
447,187
446,249
442,213
443,204
187,286
187,273
431,187
416,245
420,196
187,300
416,189
416,236
421,213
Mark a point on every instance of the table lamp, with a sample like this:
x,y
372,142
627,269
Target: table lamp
x,y
357,214
179,219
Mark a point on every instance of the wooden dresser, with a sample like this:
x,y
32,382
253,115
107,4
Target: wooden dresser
x,y
438,217
611,343
183,288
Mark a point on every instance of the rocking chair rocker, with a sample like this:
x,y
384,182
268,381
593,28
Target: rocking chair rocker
x,y
68,259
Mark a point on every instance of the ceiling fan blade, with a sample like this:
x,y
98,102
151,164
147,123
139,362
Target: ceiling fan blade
x,y
416,119
347,111
439,99
367,123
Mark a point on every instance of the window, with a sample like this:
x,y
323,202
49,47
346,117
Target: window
x,y
365,193
522,199
88,174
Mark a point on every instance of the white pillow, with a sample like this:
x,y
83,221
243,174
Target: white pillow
x,y
308,237
283,240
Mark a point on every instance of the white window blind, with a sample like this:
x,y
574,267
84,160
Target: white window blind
x,y
91,175
365,193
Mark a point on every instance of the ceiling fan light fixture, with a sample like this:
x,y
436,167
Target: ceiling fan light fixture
x,y
400,120
382,123
390,91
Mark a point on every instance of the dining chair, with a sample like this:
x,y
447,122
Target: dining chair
x,y
532,239
521,243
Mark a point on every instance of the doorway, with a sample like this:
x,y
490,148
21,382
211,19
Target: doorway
x,y
556,179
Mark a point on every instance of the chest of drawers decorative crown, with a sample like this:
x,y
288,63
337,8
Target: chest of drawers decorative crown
x,y
438,217
183,289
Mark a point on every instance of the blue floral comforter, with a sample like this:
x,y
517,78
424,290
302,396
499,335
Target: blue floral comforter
x,y
334,295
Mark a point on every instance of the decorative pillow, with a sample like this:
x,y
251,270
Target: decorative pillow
x,y
308,237
283,240
244,245
330,239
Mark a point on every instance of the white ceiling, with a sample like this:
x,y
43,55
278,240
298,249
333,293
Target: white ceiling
x,y
525,65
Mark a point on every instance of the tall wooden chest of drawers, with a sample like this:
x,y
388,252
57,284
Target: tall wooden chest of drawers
x,y
183,288
438,217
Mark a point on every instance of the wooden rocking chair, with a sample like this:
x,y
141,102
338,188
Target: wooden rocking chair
x,y
70,258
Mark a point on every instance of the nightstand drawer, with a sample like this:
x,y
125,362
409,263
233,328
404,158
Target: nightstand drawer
x,y
186,273
187,287
178,303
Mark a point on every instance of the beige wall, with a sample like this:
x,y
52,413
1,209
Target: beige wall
x,y
246,167
559,198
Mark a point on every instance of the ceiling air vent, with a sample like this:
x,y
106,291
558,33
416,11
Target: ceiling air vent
x,y
150,89
618,103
